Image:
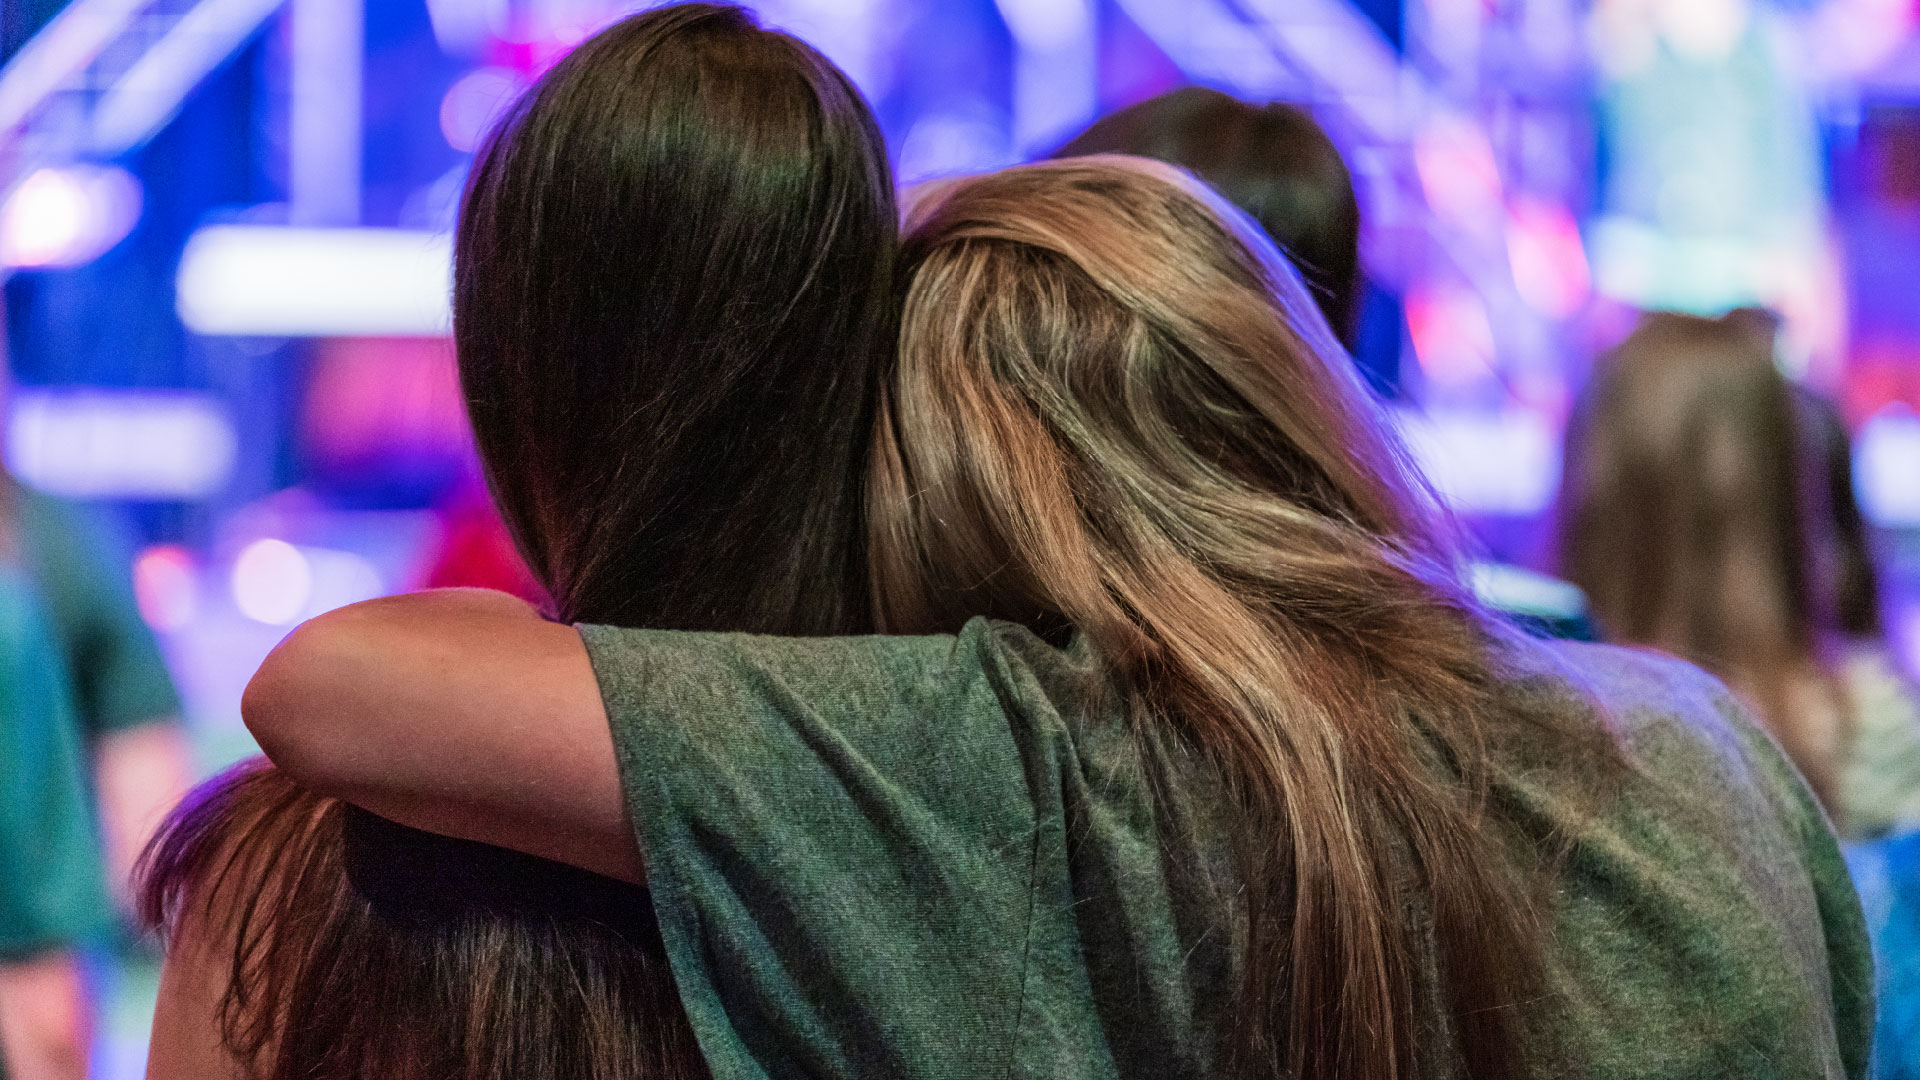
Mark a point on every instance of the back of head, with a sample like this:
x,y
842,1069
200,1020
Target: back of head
x,y
1273,162
1683,513
1117,411
673,297
672,301
345,966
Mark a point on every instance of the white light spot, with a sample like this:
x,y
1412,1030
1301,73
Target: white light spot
x,y
272,582
472,105
68,216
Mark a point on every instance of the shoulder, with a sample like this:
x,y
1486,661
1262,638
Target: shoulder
x,y
1668,717
988,663
1707,853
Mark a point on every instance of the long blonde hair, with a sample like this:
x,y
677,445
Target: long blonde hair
x,y
1117,410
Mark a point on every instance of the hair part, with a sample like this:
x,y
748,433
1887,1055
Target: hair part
x,y
1116,410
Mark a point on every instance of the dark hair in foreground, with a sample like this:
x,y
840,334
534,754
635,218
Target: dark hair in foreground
x,y
673,298
1117,410
669,335
1687,517
364,950
1273,162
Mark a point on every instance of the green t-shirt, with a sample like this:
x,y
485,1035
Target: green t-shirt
x,y
52,893
941,856
82,569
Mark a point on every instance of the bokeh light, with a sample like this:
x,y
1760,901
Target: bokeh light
x,y
166,586
472,104
70,216
272,582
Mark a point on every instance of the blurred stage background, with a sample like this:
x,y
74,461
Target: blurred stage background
x,y
224,238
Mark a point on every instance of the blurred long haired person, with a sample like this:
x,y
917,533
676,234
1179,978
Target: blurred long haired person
x,y
682,237
1709,512
1879,775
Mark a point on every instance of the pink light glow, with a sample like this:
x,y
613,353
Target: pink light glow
x,y
1452,337
165,586
1457,170
1549,261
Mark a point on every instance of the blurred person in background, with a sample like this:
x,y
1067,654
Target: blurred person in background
x,y
1704,515
52,898
1881,777
1279,167
124,698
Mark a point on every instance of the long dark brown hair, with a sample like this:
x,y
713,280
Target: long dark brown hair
x,y
1117,410
1685,518
673,304
355,949
669,332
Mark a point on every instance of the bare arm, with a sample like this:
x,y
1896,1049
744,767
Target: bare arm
x,y
460,712
44,1018
139,774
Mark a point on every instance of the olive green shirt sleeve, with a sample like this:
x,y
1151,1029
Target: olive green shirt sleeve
x,y
1843,925
51,888
840,846
942,857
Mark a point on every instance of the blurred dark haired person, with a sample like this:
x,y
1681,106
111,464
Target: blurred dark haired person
x,y
1272,161
1708,511
673,286
1279,167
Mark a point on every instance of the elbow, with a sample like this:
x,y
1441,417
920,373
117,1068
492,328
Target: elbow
x,y
291,705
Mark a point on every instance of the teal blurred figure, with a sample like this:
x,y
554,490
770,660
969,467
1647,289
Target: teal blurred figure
x,y
52,896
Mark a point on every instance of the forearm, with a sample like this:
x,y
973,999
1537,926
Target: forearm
x,y
139,774
460,712
45,1020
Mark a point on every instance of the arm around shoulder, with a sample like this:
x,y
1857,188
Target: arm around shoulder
x,y
459,711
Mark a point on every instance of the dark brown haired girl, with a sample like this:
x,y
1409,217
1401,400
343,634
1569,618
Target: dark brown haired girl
x,y
1202,764
672,306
